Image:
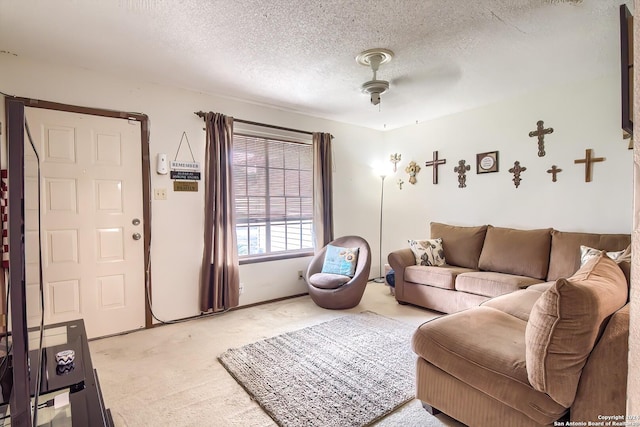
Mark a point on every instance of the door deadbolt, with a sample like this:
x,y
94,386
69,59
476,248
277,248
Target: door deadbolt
x,y
135,221
137,236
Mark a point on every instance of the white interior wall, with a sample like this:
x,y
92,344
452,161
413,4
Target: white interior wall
x,y
583,115
177,223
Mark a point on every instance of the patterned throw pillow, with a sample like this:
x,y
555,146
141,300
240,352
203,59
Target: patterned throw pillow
x,y
341,261
586,253
428,252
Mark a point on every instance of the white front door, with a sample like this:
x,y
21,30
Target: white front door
x,y
92,220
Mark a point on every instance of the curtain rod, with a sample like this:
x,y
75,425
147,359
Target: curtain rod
x,y
248,122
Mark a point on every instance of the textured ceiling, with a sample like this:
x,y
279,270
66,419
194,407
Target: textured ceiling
x,y
450,55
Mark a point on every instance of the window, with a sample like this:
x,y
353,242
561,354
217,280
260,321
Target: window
x,y
273,183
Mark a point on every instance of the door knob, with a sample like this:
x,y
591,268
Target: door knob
x,y
137,236
135,221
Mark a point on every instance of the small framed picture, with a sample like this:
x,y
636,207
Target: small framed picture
x,y
487,162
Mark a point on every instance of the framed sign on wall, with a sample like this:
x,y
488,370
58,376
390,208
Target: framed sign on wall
x,y
487,162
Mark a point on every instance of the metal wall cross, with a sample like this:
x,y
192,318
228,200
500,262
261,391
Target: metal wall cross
x,y
461,170
588,161
554,171
516,170
435,163
540,133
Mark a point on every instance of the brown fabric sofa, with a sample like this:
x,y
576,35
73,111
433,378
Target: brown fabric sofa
x,y
553,351
484,262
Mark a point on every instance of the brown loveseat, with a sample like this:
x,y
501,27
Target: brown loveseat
x,y
553,351
485,262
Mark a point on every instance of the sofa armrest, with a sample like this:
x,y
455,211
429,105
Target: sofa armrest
x,y
399,260
603,383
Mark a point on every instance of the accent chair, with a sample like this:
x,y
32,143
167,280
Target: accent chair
x,y
337,291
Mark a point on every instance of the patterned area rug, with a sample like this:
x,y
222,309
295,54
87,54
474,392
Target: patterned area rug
x,y
349,371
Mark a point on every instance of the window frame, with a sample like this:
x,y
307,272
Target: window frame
x,y
279,255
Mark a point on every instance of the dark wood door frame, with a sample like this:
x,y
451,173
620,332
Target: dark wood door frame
x,y
146,175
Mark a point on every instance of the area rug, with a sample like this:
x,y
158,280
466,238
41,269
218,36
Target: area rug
x,y
349,371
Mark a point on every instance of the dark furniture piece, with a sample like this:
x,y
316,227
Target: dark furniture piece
x,y
80,382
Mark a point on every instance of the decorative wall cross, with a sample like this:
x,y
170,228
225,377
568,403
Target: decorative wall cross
x,y
540,133
435,163
461,170
395,158
516,170
554,171
400,182
588,161
412,169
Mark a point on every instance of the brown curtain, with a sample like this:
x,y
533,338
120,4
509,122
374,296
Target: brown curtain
x,y
4,246
322,189
220,279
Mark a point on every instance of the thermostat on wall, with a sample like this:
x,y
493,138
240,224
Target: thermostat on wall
x,y
162,167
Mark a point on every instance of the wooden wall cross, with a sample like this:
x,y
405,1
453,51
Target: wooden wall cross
x,y
435,163
540,133
554,171
588,161
461,170
516,170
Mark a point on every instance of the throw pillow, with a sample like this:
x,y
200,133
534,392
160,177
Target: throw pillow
x,y
625,256
339,260
564,325
586,253
428,252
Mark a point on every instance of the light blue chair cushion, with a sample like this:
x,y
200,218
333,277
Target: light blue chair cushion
x,y
338,260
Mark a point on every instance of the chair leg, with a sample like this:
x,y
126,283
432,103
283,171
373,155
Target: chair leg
x,y
430,409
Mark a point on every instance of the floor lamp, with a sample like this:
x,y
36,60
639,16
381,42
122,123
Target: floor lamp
x,y
380,278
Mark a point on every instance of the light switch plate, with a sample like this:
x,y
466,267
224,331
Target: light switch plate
x,y
160,194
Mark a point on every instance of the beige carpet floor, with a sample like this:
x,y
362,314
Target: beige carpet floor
x,y
169,375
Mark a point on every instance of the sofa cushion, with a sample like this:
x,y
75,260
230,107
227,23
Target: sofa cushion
x,y
484,348
566,321
622,258
565,249
542,286
328,280
517,304
442,277
604,376
519,252
428,252
462,245
491,284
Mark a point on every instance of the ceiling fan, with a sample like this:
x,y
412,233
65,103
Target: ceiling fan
x,y
374,58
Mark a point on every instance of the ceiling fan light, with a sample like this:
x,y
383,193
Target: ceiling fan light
x,y
375,88
374,58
